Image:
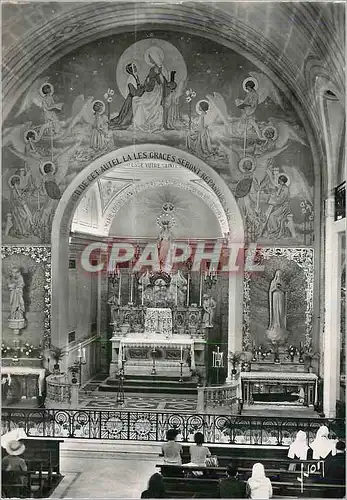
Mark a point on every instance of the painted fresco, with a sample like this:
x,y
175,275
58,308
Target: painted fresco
x,y
164,88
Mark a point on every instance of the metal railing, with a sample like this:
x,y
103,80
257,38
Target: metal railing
x,y
152,426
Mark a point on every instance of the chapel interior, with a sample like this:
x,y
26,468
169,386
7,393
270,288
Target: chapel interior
x,y
173,239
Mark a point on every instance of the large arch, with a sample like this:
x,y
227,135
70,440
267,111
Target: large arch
x,y
87,178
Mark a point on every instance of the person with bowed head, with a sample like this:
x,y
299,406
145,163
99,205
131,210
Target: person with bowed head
x,y
155,488
322,446
298,449
258,485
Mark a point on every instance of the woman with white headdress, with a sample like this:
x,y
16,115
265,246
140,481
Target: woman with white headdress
x,y
298,449
322,446
258,485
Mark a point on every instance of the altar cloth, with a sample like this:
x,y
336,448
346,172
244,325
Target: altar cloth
x,y
26,370
155,340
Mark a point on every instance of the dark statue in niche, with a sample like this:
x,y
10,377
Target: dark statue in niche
x,y
231,116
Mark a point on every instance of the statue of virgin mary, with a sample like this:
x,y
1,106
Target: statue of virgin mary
x,y
277,330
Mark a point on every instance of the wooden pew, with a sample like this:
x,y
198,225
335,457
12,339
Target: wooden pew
x,y
22,484
284,482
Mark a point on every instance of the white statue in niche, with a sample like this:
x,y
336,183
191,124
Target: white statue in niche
x,y
15,283
209,306
277,330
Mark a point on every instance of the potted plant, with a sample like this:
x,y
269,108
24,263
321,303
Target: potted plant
x,y
235,359
57,354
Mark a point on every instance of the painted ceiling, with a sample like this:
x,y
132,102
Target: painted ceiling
x,y
159,87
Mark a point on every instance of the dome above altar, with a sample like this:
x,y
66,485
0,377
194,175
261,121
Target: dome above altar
x,y
127,201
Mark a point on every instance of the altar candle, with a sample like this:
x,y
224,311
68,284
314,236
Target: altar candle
x,y
181,354
200,290
84,353
9,379
188,290
131,288
176,300
142,295
79,351
119,288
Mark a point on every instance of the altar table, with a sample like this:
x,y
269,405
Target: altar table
x,y
268,383
26,389
177,346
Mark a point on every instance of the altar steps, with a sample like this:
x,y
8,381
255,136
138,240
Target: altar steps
x,y
151,384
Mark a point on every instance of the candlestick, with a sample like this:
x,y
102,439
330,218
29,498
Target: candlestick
x,y
142,295
131,287
176,299
119,288
200,302
188,290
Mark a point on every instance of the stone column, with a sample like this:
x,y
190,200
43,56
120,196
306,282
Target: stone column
x,y
331,341
235,315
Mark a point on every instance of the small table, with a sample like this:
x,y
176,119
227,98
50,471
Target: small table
x,y
29,381
266,383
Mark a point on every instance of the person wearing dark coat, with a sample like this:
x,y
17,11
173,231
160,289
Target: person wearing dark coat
x,y
335,470
232,487
155,487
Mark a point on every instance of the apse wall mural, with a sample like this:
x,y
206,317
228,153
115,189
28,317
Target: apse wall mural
x,y
164,88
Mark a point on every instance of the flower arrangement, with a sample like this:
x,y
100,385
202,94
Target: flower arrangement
x,y
235,359
292,352
21,351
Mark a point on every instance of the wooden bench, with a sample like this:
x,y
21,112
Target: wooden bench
x,y
22,484
284,482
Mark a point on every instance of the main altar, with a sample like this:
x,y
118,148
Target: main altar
x,y
163,330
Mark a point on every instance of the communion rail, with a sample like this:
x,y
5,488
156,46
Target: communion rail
x,y
222,399
60,393
152,426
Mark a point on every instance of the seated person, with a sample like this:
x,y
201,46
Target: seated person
x,y
335,469
172,450
12,462
322,446
258,485
11,465
298,449
155,488
198,452
232,487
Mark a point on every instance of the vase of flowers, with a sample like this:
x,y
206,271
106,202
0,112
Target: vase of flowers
x,y
57,354
292,352
235,359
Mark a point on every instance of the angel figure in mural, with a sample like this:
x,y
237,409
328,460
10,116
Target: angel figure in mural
x,y
149,111
199,140
100,138
278,216
41,93
15,283
277,329
21,217
125,116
